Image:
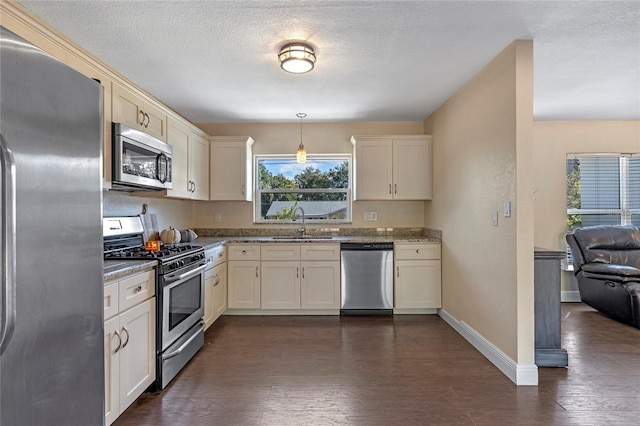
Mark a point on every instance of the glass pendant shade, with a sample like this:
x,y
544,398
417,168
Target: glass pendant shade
x,y
301,155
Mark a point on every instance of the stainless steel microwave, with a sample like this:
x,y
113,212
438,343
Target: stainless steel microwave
x,y
140,161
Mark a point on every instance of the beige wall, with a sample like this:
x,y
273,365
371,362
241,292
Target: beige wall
x,y
481,159
320,138
169,212
553,140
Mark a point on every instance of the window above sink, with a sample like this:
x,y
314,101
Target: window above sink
x,y
321,187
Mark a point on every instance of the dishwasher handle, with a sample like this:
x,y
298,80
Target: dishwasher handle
x,y
366,246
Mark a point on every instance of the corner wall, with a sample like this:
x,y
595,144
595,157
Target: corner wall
x,y
482,158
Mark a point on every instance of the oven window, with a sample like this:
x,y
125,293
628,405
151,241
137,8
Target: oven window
x,y
184,300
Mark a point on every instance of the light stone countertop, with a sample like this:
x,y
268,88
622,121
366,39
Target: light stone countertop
x,y
114,269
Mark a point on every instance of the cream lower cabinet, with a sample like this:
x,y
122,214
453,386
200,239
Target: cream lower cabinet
x,y
300,276
215,285
417,277
129,341
243,276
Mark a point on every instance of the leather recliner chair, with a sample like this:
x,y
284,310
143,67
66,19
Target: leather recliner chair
x,y
606,261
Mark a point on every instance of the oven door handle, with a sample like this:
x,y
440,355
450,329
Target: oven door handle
x,y
184,345
171,278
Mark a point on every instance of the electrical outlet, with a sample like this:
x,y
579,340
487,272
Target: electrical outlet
x,y
217,217
507,209
494,218
371,216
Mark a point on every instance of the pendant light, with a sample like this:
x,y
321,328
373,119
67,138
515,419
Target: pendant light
x,y
301,155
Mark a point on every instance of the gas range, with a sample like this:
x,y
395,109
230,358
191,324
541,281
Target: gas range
x,y
179,292
122,240
169,258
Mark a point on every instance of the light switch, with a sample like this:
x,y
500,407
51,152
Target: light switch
x,y
494,218
507,209
371,216
217,217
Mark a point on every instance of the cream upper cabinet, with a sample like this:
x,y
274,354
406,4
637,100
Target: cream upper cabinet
x,y
189,161
85,68
417,277
230,168
392,167
132,110
199,166
178,138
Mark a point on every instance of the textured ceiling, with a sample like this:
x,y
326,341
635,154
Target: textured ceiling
x,y
216,61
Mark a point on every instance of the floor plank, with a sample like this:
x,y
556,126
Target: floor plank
x,y
401,370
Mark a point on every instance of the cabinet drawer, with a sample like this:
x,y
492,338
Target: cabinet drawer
x,y
110,300
244,252
136,289
215,255
417,251
320,252
281,252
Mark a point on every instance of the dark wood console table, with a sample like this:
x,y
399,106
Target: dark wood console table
x,y
548,350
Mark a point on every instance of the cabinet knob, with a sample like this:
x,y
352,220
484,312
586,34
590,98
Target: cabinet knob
x,y
418,251
138,289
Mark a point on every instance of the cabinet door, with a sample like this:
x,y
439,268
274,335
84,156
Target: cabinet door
x,y
281,285
320,285
244,284
112,344
417,284
178,138
138,352
126,107
155,122
199,166
209,282
229,176
412,169
130,109
219,290
373,167
84,67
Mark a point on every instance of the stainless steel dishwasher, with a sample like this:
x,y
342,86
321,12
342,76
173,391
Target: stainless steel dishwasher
x,y
367,278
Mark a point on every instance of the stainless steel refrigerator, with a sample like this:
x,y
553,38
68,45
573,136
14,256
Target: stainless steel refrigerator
x,y
51,350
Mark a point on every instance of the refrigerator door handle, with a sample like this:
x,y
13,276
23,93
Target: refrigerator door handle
x,y
8,249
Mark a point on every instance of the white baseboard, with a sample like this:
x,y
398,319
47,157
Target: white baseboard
x,y
570,296
520,374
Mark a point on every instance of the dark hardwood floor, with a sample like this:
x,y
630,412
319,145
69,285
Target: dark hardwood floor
x,y
402,370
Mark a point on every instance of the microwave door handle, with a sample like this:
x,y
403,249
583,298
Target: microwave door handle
x,y
162,177
8,249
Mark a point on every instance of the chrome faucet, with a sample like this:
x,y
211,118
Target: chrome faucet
x,y
302,229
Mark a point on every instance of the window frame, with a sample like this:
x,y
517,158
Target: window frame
x,y
625,211
257,191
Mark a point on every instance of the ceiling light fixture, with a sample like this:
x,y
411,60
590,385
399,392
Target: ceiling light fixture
x,y
297,58
301,155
